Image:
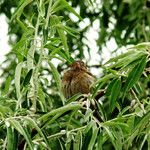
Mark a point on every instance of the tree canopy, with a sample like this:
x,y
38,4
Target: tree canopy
x,y
45,37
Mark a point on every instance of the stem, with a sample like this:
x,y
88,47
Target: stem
x,y
143,30
63,109
30,63
60,134
137,100
48,13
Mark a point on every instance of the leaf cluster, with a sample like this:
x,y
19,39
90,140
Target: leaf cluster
x,y
33,111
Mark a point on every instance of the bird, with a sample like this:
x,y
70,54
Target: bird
x,y
78,79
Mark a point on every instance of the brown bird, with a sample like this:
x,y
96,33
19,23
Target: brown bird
x,y
77,79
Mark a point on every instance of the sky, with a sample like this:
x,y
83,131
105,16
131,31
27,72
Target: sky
x,y
4,47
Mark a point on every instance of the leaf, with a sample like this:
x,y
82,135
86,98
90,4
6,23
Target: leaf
x,y
134,75
87,139
100,140
87,115
57,80
35,125
78,140
23,131
48,14
127,60
110,134
100,82
61,4
11,138
30,57
42,100
139,126
112,92
7,85
22,25
5,110
114,59
17,79
56,51
109,88
93,138
74,98
64,40
64,55
138,89
20,8
56,76
27,78
71,31
101,110
64,109
144,45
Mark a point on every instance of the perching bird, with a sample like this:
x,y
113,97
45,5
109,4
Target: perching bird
x,y
77,80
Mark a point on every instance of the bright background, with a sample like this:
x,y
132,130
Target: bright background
x,y
4,46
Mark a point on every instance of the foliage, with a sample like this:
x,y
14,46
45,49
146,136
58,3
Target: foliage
x,y
34,112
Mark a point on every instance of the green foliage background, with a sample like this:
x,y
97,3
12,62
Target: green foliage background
x,y
33,111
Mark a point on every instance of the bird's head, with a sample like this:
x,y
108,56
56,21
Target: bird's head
x,y
78,65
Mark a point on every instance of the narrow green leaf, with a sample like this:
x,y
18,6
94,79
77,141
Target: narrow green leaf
x,y
90,2
138,89
115,124
71,106
64,55
20,8
35,125
57,80
109,88
139,126
114,59
10,139
42,100
7,85
110,134
87,139
100,140
77,142
143,142
48,13
17,79
30,57
144,45
55,75
71,31
100,82
56,51
101,110
27,78
22,25
64,39
87,115
104,78
61,4
127,60
134,75
22,130
113,91
93,138
74,98
148,140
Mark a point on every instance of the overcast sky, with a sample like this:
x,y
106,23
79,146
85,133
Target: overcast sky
x,y
4,47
